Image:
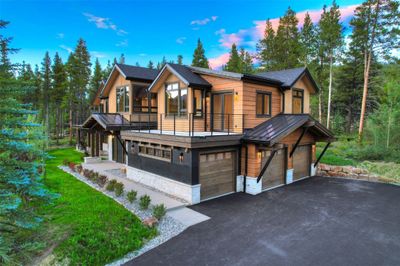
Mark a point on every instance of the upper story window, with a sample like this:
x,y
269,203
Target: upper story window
x,y
123,99
198,102
263,104
175,99
298,101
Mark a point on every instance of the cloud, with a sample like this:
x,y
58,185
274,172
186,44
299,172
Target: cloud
x,y
104,23
181,40
218,61
60,35
205,21
142,54
97,54
66,48
123,43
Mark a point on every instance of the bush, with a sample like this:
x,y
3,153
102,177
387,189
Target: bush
x,y
86,173
65,162
119,189
159,211
111,185
102,180
79,168
71,166
131,195
144,202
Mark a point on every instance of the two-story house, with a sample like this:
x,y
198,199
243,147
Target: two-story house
x,y
213,133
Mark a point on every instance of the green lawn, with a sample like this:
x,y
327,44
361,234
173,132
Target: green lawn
x,y
83,226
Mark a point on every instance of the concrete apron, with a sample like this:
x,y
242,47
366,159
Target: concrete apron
x,y
176,208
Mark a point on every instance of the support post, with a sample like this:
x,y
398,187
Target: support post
x,y
266,165
122,144
322,154
298,141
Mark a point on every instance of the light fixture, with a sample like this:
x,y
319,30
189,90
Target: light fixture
x,y
181,157
236,96
259,154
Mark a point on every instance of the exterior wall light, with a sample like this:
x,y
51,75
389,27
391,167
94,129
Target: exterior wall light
x,y
259,154
236,96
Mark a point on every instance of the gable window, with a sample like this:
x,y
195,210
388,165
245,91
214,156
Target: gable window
x,y
263,104
298,101
175,99
198,102
123,99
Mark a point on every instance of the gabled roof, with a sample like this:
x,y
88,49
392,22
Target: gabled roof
x,y
278,127
137,73
289,76
114,122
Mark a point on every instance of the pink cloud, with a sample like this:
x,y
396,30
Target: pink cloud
x,y
218,61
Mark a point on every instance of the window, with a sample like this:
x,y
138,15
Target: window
x,y
176,99
123,99
263,104
198,103
106,105
298,102
155,152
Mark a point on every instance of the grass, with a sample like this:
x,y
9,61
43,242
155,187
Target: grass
x,y
336,154
83,226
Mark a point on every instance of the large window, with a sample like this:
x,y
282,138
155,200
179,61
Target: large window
x,y
123,99
198,102
156,151
263,104
175,99
298,102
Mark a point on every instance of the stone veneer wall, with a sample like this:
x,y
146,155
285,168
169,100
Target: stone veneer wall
x,y
348,172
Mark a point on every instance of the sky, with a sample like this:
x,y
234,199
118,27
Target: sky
x,y
147,30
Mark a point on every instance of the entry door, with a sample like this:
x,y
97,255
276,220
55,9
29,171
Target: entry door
x,y
222,110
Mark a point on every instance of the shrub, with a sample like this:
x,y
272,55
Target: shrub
x,y
119,189
91,175
144,202
65,162
102,180
86,173
71,166
159,211
79,168
111,185
131,195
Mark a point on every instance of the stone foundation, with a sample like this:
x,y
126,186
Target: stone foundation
x,y
347,171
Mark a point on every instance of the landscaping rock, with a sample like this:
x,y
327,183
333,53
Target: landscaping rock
x,y
150,222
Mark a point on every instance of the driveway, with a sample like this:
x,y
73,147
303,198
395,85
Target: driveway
x,y
317,221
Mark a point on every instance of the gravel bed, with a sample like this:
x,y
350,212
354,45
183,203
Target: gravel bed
x,y
167,227
116,172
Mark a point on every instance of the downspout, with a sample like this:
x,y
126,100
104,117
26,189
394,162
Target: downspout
x,y
245,168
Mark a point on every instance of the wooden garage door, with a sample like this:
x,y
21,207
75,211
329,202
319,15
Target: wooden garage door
x,y
301,162
217,174
275,174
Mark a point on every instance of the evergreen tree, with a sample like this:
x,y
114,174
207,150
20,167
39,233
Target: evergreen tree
x,y
246,62
107,70
331,38
26,72
180,60
122,59
59,85
308,39
288,47
150,65
36,102
6,68
95,81
376,27
163,62
21,187
199,57
137,64
46,91
234,62
266,48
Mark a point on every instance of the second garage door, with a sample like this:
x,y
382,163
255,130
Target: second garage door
x,y
301,162
217,174
275,173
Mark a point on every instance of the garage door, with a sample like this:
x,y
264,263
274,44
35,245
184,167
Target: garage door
x,y
217,174
301,162
275,173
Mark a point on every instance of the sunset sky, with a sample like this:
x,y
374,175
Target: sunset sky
x,y
147,30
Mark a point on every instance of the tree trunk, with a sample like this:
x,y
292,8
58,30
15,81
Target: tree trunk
x,y
320,107
364,98
328,117
57,123
70,125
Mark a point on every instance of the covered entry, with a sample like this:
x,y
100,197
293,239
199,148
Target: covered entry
x,y
301,162
275,175
217,174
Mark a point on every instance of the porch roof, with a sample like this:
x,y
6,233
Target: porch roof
x,y
107,122
278,127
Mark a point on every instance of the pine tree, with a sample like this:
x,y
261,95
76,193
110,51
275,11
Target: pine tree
x,y
137,64
331,38
266,48
122,59
288,47
180,60
150,65
308,39
107,70
376,27
6,68
246,62
46,92
95,81
234,63
199,57
59,84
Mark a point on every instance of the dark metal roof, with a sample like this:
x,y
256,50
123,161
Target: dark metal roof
x,y
288,76
278,127
107,121
193,79
137,73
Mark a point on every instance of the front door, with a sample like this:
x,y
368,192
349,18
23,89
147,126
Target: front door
x,y
222,110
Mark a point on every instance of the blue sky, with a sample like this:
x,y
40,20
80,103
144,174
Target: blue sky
x,y
145,30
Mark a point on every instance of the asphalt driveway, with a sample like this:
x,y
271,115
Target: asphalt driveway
x,y
317,221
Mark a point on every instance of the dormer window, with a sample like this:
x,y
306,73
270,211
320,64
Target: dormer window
x,y
175,99
298,101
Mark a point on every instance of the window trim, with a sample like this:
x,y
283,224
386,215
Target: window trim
x,y
202,103
180,113
298,97
263,103
125,105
